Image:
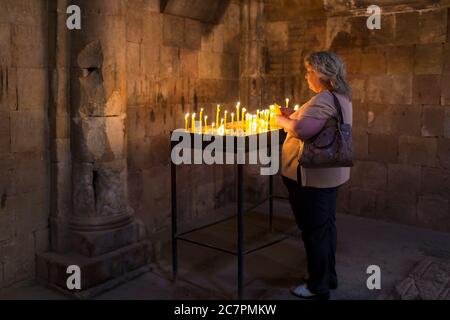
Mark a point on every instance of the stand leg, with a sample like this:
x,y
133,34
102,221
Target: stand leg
x,y
173,178
271,202
240,211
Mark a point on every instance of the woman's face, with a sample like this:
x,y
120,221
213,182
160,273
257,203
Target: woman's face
x,y
313,80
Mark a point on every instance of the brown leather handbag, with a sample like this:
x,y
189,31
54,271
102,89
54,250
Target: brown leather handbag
x,y
332,146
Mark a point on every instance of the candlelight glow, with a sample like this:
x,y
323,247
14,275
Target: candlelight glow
x,y
245,123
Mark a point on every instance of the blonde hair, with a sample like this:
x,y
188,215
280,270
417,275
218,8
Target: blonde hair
x,y
331,71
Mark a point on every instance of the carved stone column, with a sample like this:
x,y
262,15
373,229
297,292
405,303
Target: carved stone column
x,y
102,236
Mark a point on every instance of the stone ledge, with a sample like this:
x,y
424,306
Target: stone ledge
x,y
98,274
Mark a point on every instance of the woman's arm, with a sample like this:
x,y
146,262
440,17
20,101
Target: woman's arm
x,y
304,128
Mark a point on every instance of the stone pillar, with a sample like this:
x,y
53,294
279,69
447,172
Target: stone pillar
x,y
98,101
252,53
101,235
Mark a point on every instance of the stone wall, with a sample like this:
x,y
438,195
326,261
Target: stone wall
x,y
400,82
176,65
24,156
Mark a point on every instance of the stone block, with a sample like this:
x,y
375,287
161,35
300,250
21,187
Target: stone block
x,y
360,114
173,31
20,259
352,60
435,182
432,26
7,183
7,218
231,40
446,58
8,89
150,61
42,240
433,121
363,202
170,62
5,44
189,63
391,89
31,211
407,27
210,65
230,66
433,213
373,62
28,131
154,28
445,98
447,122
360,144
428,58
32,88
406,120
369,175
427,89
218,38
358,84
5,133
29,46
133,58
403,178
134,26
385,35
277,34
31,172
400,59
378,118
397,207
443,153
193,35
418,150
383,148
359,35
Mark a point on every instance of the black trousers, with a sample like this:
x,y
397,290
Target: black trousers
x,y
315,213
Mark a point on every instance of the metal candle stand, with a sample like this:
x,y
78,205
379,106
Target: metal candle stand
x,y
239,213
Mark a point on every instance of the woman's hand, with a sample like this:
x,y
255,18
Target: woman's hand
x,y
280,120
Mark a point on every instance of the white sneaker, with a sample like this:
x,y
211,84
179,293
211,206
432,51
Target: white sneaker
x,y
302,291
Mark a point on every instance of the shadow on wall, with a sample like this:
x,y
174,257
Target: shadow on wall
x,y
210,11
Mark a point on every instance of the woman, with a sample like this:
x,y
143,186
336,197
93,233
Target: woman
x,y
312,191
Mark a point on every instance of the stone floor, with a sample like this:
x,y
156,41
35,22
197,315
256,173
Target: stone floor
x,y
209,274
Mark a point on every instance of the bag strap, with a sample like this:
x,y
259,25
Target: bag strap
x,y
338,107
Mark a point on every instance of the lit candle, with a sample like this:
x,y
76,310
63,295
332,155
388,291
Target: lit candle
x,y
206,121
257,114
217,114
232,119
225,123
186,117
193,122
237,111
200,119
287,102
243,119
